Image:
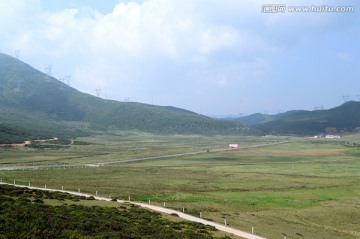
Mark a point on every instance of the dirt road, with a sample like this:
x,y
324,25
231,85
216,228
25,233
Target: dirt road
x,y
159,209
115,161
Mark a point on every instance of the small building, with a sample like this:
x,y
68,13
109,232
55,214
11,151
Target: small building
x,y
233,146
330,136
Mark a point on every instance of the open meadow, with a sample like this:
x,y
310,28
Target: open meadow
x,y
308,188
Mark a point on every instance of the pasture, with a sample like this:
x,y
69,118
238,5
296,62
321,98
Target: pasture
x,y
303,189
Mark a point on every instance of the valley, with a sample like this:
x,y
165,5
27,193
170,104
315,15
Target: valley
x,y
302,189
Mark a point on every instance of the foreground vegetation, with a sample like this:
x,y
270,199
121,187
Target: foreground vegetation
x,y
304,189
23,214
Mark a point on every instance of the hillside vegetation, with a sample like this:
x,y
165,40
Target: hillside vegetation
x,y
344,118
23,214
41,106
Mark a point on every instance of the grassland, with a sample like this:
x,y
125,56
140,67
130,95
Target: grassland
x,y
304,189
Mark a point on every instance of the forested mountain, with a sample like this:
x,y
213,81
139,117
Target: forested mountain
x,y
34,104
344,118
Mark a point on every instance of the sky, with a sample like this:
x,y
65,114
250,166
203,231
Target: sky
x,y
217,58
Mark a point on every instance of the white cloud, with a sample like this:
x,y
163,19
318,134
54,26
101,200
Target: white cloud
x,y
160,44
343,56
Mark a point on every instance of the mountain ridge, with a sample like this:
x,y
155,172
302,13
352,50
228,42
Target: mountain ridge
x,y
25,90
343,118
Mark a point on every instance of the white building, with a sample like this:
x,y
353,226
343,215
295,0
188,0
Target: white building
x,y
329,136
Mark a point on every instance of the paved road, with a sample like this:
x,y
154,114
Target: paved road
x,y
160,209
98,164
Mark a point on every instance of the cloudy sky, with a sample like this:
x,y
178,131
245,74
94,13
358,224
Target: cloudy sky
x,y
213,57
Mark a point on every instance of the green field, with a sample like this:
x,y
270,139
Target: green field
x,y
304,189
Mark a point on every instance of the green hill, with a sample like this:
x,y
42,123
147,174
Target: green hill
x,y
37,105
344,118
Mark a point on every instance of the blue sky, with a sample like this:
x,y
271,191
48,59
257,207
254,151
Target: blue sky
x,y
209,56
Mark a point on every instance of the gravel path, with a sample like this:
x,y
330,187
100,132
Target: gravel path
x,y
159,209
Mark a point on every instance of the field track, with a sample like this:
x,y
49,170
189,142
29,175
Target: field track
x,y
98,164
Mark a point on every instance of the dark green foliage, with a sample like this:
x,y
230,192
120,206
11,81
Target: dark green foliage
x,y
344,118
37,104
10,134
21,218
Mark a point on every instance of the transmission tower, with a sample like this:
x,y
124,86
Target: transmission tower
x,y
319,107
68,78
266,113
17,54
65,80
345,98
48,70
97,91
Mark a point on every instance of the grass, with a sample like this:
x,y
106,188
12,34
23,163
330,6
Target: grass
x,y
307,189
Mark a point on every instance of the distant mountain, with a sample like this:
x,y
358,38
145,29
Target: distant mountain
x,y
33,104
259,118
253,119
343,118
